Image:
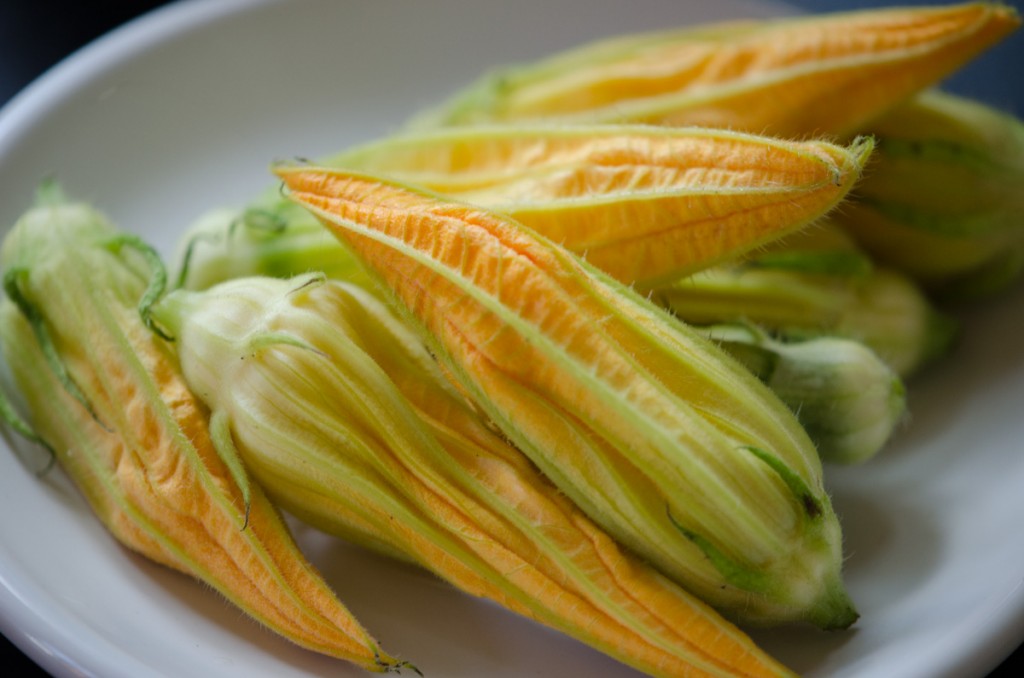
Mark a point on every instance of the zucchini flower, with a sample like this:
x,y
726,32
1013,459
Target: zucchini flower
x,y
847,399
943,199
106,397
270,237
826,74
819,284
343,415
670,445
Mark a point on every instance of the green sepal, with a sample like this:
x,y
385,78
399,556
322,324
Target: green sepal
x,y
158,276
12,287
9,414
833,263
811,504
732,572
224,443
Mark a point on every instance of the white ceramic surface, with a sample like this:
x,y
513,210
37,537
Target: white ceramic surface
x,y
184,109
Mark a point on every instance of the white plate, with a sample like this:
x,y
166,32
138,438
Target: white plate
x,y
184,109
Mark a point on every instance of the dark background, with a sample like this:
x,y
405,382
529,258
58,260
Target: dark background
x,y
36,34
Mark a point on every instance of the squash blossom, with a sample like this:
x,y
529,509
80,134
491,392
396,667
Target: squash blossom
x,y
341,413
944,196
269,237
819,283
105,395
644,204
825,74
847,398
674,448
